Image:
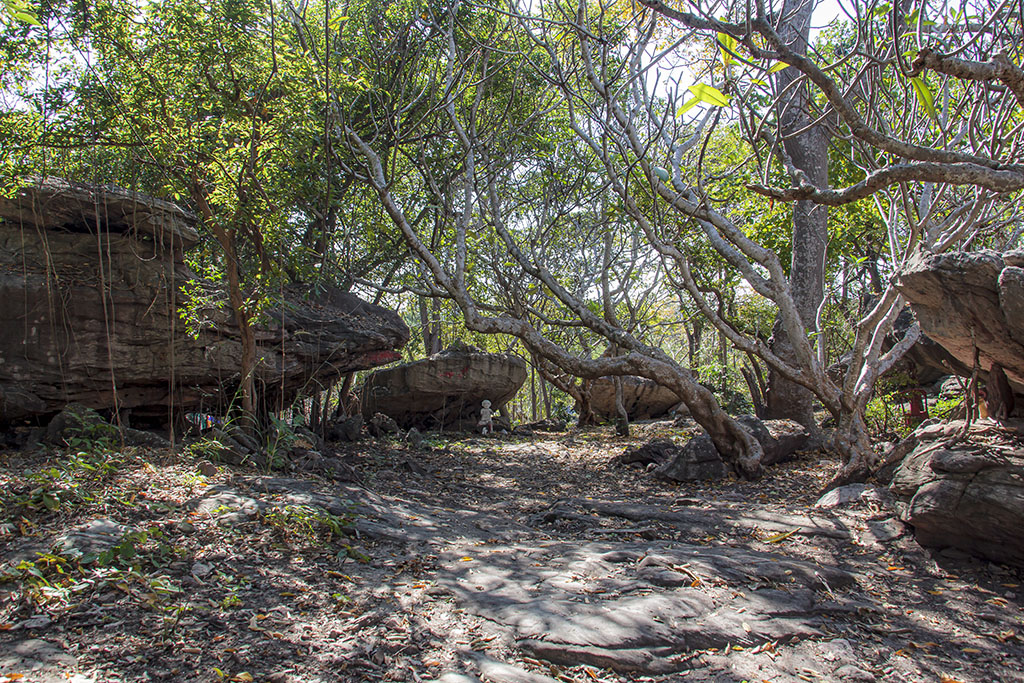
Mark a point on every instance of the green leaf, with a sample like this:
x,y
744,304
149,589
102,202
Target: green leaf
x,y
777,66
27,18
687,106
924,96
709,95
726,44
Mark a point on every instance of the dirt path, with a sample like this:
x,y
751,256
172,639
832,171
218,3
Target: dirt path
x,y
488,559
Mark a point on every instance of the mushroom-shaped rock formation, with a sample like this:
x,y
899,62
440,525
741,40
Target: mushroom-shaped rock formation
x,y
643,398
92,280
968,299
445,389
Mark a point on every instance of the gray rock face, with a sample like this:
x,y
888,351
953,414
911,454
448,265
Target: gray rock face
x,y
382,425
655,451
77,422
952,294
346,429
92,538
78,325
444,389
594,604
643,399
964,495
780,439
697,460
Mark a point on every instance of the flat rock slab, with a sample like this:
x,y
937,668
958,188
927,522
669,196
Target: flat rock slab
x,y
698,521
92,538
389,519
609,605
33,654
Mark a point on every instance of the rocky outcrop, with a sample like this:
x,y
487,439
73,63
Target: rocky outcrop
x,y
780,439
964,493
92,282
643,399
699,459
963,299
445,389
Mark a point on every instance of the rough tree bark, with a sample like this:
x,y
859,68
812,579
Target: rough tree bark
x,y
807,147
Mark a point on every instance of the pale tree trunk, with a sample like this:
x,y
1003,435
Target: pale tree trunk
x,y
853,444
622,419
430,326
809,153
583,405
533,395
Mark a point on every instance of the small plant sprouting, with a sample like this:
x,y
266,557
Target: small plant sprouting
x,y
312,525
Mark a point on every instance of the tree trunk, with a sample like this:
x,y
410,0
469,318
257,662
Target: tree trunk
x,y
755,391
583,405
809,153
689,347
734,443
533,394
315,420
851,441
622,419
430,326
226,238
546,396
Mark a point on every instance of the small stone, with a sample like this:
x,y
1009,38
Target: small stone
x,y
33,655
842,495
92,538
452,677
185,527
36,622
207,468
201,569
854,674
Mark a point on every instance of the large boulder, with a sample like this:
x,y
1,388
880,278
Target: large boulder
x,y
966,494
780,439
643,399
700,460
968,299
445,389
92,281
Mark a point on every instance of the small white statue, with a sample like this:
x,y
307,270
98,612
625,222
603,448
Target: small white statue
x,y
485,424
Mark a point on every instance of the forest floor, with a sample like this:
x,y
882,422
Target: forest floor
x,y
504,559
